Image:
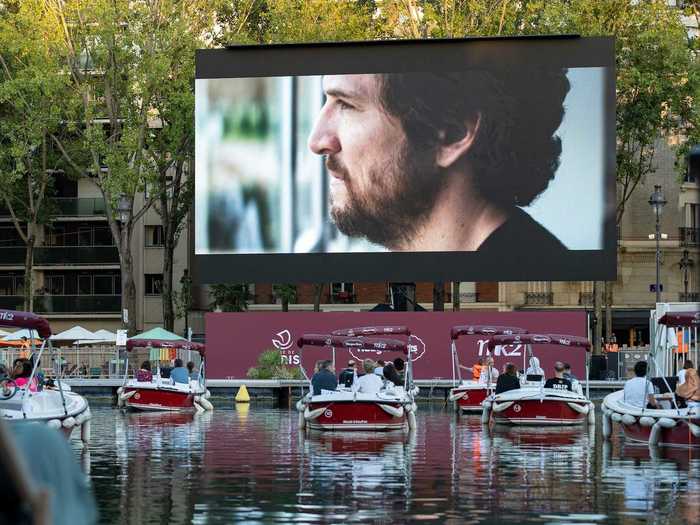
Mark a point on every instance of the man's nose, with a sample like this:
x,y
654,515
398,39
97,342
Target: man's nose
x,y
324,139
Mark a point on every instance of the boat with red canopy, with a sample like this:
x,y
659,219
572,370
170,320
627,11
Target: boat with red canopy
x,y
153,392
24,398
532,403
346,408
671,425
468,394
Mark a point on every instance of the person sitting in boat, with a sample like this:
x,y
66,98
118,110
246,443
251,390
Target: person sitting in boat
x,y
688,364
475,369
391,374
190,371
488,374
324,379
567,373
509,380
22,373
179,373
379,368
400,367
558,382
534,372
638,391
690,388
347,375
144,375
370,383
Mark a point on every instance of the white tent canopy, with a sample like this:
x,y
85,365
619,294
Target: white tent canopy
x,y
19,334
74,334
103,337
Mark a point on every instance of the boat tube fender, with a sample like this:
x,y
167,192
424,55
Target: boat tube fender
x,y
207,394
393,411
69,422
666,422
206,404
647,421
456,396
120,390
54,423
628,419
412,420
486,414
607,425
300,405
581,409
617,418
198,407
85,432
500,407
694,429
302,420
655,434
591,415
313,414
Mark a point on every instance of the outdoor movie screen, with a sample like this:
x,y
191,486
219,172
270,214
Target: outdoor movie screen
x,y
445,160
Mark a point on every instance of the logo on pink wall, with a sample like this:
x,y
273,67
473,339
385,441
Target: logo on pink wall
x,y
282,340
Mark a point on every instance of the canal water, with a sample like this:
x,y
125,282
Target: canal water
x,y
250,464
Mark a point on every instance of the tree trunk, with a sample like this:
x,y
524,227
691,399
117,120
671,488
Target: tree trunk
x,y
29,270
455,296
438,296
597,313
167,289
128,283
285,304
608,311
318,291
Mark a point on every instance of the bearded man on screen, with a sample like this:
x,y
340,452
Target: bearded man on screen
x,y
441,161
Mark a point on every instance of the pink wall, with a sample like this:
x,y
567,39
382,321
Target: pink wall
x,y
234,340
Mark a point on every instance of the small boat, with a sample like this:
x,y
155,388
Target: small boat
x,y
532,404
392,408
674,426
158,393
469,394
57,406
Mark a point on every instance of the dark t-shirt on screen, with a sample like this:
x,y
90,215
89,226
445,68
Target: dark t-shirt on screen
x,y
558,383
522,234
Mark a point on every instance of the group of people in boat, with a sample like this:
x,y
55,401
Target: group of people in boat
x,y
641,392
370,378
485,373
177,373
21,373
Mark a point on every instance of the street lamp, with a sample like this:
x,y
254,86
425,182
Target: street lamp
x,y
124,213
657,202
124,208
186,285
685,263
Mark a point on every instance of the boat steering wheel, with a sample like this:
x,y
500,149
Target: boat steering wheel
x,y
8,388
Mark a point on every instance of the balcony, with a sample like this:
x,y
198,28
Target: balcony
x,y
66,304
80,207
61,255
12,302
689,297
539,298
689,237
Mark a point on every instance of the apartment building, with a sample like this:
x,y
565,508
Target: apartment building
x,y
76,264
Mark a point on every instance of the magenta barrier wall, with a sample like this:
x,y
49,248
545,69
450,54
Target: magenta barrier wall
x,y
234,340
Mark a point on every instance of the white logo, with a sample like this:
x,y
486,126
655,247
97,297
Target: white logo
x,y
416,348
517,408
515,349
283,341
328,413
7,316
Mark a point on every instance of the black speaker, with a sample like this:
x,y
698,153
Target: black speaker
x,y
599,368
613,365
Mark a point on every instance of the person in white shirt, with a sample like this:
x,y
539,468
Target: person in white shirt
x,y
489,374
379,368
681,374
370,383
638,391
534,369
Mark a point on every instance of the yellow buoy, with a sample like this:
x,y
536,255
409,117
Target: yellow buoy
x,y
242,396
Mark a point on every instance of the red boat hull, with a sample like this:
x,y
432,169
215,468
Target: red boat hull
x,y
355,415
678,436
157,399
534,412
471,401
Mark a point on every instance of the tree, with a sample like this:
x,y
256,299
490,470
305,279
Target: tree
x,y
30,87
287,293
229,297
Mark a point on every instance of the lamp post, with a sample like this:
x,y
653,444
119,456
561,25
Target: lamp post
x,y
186,287
657,202
685,263
123,217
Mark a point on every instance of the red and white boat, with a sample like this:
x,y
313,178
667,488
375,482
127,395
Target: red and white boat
x,y
469,394
57,406
532,404
392,408
671,427
158,393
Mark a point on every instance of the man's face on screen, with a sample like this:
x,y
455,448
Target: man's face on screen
x,y
379,186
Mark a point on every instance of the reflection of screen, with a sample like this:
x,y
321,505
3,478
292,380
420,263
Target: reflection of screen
x,y
450,160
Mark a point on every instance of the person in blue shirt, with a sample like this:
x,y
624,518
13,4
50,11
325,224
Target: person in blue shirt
x,y
325,378
179,373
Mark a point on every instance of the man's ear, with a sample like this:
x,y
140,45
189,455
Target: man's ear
x,y
450,152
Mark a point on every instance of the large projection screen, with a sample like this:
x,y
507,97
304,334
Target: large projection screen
x,y
444,160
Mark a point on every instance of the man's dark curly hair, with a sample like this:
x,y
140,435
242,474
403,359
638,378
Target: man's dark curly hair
x,y
515,153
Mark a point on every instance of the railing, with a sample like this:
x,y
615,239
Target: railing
x,y
585,298
75,304
689,236
12,302
539,298
63,255
80,207
689,297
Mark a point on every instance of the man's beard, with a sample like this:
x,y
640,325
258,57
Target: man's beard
x,y
399,199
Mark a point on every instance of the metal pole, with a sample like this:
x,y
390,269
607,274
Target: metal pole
x,y
658,257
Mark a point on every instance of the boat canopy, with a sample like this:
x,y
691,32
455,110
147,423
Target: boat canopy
x,y
183,344
680,319
539,339
361,344
482,329
25,320
372,330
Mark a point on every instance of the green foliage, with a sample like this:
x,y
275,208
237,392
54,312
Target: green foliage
x,y
230,297
270,367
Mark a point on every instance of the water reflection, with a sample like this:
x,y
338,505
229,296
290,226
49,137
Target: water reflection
x,y
251,463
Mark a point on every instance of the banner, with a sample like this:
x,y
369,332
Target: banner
x,y
234,340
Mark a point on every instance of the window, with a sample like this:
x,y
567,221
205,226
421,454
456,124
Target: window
x,y
55,284
85,284
103,284
154,236
154,283
9,237
11,283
